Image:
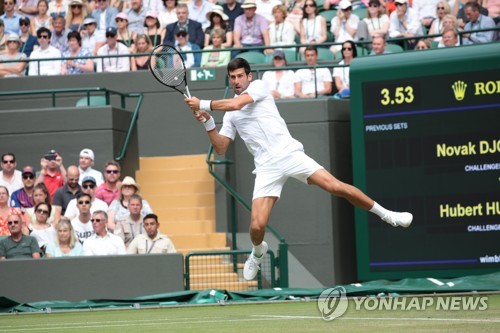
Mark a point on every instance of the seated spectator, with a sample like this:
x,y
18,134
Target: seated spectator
x,y
280,82
477,21
281,32
9,21
53,173
41,229
193,28
90,5
183,45
219,20
18,245
43,19
131,226
153,242
28,41
217,57
404,23
310,82
462,18
265,8
313,27
344,25
136,15
105,15
102,243
125,36
88,187
109,190
81,224
493,8
251,29
5,211
198,10
330,4
232,9
76,66
10,177
114,64
142,45
378,46
442,9
66,244
45,51
341,74
23,198
59,38
425,10
76,15
58,8
449,22
168,14
450,38
66,193
85,163
13,69
92,39
295,14
27,7
3,38
423,44
376,23
40,195
118,209
153,29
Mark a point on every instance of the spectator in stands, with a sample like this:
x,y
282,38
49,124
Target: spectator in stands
x,y
41,229
462,18
88,187
341,74
193,28
27,8
3,38
76,66
295,9
493,8
10,177
198,10
23,198
92,38
58,8
442,9
219,20
66,193
344,25
310,82
378,46
477,21
53,173
66,244
404,22
376,23
10,19
45,51
13,69
251,29
125,36
183,45
281,32
59,38
136,15
105,15
450,38
330,4
313,26
232,9
280,82
217,57
28,41
132,224
168,14
90,5
423,44
109,190
449,22
43,19
153,242
85,163
81,223
76,15
141,62
5,210
18,245
119,208
265,8
113,64
426,11
40,195
153,29
102,243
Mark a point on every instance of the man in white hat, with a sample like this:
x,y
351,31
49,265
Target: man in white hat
x,y
85,163
198,10
251,29
344,25
404,21
92,38
105,15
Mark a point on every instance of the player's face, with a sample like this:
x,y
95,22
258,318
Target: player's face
x,y
240,80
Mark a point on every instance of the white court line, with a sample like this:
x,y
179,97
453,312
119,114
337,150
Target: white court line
x,y
370,318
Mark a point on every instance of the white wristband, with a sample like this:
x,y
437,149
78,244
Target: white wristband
x,y
209,124
205,105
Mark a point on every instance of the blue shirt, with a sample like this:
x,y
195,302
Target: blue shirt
x,y
27,47
11,23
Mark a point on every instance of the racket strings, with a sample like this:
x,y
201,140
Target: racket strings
x,y
167,66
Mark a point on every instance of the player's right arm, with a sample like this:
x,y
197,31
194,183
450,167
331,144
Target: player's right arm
x,y
219,142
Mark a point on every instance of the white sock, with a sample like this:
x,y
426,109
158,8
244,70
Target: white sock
x,y
379,210
257,250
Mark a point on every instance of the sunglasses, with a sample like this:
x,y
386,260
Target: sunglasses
x,y
347,49
42,211
28,177
8,3
113,171
76,6
440,8
96,220
13,222
88,186
86,202
399,4
309,5
120,20
24,24
9,161
43,37
374,5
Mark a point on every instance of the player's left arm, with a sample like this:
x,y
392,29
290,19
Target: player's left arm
x,y
229,104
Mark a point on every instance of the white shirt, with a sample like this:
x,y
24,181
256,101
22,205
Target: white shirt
x,y
115,64
352,21
44,236
167,17
155,5
82,230
413,24
306,77
92,173
103,246
425,8
260,126
282,34
265,8
15,184
284,86
52,67
89,42
142,244
343,73
97,204
199,14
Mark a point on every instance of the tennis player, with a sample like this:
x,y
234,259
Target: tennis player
x,y
277,156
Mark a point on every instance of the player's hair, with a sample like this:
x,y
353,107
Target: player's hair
x,y
238,63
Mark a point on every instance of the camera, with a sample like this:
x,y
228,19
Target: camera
x,y
50,157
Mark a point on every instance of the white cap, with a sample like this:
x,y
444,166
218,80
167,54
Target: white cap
x,y
88,153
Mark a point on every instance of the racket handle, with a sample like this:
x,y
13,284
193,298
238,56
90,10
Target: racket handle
x,y
187,92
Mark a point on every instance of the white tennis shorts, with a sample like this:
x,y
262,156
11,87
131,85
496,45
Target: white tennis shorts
x,y
269,179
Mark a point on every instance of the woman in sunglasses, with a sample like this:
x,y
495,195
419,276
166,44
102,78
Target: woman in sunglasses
x,y
66,243
77,12
125,36
442,9
5,211
40,228
341,74
313,27
40,195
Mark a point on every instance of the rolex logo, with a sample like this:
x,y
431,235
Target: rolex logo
x,y
459,88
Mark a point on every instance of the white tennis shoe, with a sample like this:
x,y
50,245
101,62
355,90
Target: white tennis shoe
x,y
398,219
252,265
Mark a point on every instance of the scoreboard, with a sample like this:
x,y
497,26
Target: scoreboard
x,y
426,139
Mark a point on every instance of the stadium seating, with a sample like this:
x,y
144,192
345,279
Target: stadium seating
x,y
92,101
253,57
